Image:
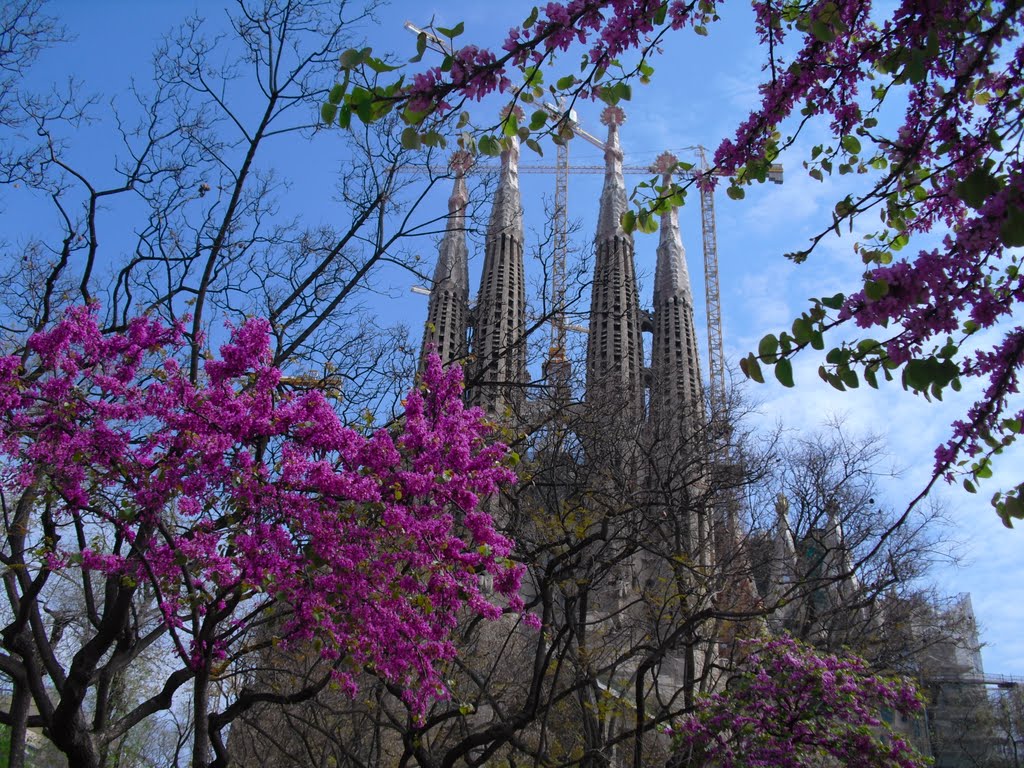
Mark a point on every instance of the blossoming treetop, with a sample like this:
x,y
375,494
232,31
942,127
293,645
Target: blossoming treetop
x,y
222,518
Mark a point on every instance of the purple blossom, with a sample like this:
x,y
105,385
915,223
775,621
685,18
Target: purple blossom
x,y
232,493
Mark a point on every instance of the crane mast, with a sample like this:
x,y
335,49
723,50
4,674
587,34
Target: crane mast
x,y
712,293
556,367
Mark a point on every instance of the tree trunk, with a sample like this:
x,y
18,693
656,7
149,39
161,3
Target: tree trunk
x,y
20,703
201,722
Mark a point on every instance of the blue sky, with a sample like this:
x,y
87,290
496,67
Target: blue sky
x,y
701,88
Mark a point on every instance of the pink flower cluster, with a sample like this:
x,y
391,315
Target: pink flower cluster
x,y
789,706
610,27
233,496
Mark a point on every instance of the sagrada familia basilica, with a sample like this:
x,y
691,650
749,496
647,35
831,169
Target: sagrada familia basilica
x,y
645,422
491,337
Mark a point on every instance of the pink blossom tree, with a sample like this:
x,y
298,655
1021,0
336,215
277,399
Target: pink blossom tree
x,y
788,706
951,165
216,520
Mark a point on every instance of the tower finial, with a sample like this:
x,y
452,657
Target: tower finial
x,y
665,164
460,162
613,116
513,109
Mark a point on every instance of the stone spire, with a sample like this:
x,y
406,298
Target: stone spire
x,y
448,311
675,361
839,558
614,346
499,340
782,570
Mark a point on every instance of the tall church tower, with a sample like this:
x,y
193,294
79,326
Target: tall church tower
x,y
614,347
676,399
448,311
498,374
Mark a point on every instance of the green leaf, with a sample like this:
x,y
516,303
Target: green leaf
x,y
364,110
751,368
629,221
1011,232
870,377
434,139
802,330
531,19
834,302
1010,507
345,117
917,375
328,112
351,58
784,372
833,381
979,185
336,95
735,192
538,119
768,347
455,31
488,145
916,68
565,83
421,47
411,138
822,31
851,144
646,222
378,65
535,146
876,289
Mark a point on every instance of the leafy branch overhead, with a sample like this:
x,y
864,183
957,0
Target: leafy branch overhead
x,y
950,166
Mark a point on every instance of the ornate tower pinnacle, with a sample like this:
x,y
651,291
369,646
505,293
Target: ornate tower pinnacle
x,y
613,195
499,340
614,345
675,362
448,311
